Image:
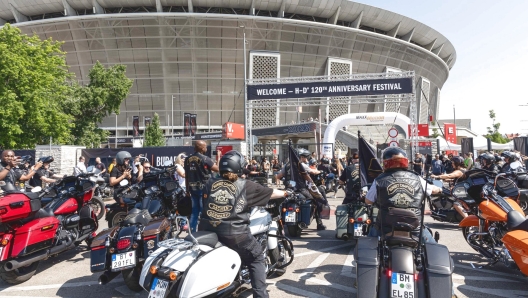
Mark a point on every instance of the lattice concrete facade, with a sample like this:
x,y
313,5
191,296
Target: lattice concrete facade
x,y
264,65
423,97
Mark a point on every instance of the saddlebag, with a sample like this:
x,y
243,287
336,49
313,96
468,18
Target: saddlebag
x,y
439,269
35,235
367,267
98,250
15,206
306,212
341,220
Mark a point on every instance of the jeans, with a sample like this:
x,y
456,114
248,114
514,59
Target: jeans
x,y
197,205
329,178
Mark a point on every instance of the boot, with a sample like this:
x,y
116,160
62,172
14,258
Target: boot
x,y
320,226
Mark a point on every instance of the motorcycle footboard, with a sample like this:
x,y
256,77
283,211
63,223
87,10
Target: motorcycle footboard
x,y
367,267
439,268
289,250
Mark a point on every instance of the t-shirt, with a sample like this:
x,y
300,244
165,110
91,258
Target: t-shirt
x,y
116,173
256,194
418,168
13,176
437,167
100,166
36,179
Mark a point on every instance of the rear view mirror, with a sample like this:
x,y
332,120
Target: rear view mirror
x,y
292,183
123,182
90,169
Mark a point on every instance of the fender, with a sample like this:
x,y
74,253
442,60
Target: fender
x,y
470,221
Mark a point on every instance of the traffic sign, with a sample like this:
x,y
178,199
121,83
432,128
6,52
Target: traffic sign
x,y
394,144
393,132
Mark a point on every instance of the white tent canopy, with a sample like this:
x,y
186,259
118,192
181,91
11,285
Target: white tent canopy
x,y
479,143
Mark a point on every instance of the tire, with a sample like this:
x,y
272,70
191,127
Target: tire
x,y
116,219
274,256
98,207
19,275
465,232
294,231
131,277
524,206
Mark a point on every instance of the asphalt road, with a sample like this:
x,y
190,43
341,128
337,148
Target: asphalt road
x,y
322,268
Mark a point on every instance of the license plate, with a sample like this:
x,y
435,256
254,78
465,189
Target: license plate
x,y
402,285
290,216
358,229
158,289
124,260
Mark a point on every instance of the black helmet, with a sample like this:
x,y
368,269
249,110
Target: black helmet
x,y
313,161
511,155
303,152
395,158
488,157
233,161
497,158
46,159
457,160
121,156
325,161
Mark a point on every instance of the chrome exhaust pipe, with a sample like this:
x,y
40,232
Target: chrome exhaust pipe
x,y
24,261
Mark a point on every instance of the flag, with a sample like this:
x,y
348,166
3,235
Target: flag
x,y
369,166
300,176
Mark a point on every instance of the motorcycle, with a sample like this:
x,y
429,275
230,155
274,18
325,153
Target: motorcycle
x,y
30,233
96,202
298,211
498,229
442,205
200,266
358,220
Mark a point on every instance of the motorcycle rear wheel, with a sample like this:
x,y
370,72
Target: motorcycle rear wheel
x,y
19,275
131,277
98,207
294,231
116,219
524,206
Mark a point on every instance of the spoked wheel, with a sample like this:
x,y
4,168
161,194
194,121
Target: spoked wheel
x,y
484,243
294,231
524,206
19,275
116,219
98,207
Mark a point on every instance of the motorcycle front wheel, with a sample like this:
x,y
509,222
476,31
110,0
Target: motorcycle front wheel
x,y
98,207
116,219
18,275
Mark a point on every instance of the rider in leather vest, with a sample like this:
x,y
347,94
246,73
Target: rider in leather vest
x,y
226,209
351,178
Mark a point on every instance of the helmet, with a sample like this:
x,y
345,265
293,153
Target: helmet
x,y
303,152
46,159
497,158
488,157
457,160
511,155
121,156
313,162
233,161
325,161
395,158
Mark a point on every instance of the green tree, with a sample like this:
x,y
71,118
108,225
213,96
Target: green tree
x,y
103,96
34,84
153,134
435,131
493,131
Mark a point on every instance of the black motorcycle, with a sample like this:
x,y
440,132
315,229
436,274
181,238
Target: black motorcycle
x,y
298,211
442,204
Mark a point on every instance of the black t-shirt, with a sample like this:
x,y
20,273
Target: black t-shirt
x,y
13,176
116,173
35,180
256,194
197,170
418,168
100,166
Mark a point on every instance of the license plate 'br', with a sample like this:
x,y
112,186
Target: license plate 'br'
x,y
158,289
402,285
124,260
290,216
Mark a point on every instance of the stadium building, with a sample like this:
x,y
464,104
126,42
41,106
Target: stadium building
x,y
186,56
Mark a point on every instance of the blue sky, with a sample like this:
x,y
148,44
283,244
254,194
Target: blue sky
x,y
491,41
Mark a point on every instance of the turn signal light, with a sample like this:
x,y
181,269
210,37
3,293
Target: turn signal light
x,y
283,210
3,210
134,246
111,250
173,275
351,220
223,286
297,210
4,242
153,269
368,221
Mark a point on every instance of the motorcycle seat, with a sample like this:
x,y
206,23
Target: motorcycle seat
x,y
41,213
516,221
400,237
205,238
142,217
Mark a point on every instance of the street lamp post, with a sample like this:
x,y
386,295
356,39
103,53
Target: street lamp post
x,y
247,137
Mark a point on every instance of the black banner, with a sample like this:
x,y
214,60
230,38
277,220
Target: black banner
x,y
147,122
369,166
135,126
282,130
467,145
329,89
189,124
201,136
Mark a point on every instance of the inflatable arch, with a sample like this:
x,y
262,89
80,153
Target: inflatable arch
x,y
361,119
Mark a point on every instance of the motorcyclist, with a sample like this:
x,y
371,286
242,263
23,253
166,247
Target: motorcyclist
x,y
351,179
487,162
397,187
44,174
123,171
227,202
320,197
328,171
511,163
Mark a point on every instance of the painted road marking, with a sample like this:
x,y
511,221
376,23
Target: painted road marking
x,y
329,284
54,286
311,252
311,268
348,267
298,291
481,278
490,272
497,292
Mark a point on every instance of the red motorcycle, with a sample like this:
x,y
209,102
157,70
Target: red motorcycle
x,y
29,233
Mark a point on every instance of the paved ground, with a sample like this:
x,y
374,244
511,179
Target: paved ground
x,y
322,268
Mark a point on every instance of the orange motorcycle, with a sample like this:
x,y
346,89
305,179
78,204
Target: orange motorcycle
x,y
497,229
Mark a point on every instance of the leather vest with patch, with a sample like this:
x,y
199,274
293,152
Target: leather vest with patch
x,y
398,189
353,183
225,209
196,171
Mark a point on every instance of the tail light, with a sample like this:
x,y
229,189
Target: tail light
x,y
290,208
416,276
360,219
98,247
123,243
390,273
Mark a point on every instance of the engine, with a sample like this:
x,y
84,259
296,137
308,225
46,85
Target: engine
x,y
442,202
69,221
